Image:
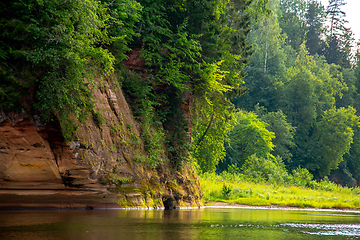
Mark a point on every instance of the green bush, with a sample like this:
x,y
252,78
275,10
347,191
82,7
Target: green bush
x,y
226,190
302,177
98,118
270,169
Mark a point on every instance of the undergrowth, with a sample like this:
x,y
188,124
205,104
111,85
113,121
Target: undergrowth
x,y
140,96
163,128
266,182
241,189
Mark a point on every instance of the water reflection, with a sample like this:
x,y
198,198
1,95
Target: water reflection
x,y
217,223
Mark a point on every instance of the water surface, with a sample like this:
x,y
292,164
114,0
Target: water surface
x,y
205,223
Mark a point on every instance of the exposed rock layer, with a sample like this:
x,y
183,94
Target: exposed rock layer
x,y
97,169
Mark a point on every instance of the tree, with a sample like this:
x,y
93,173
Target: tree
x,y
308,90
347,43
349,95
340,37
249,137
337,17
193,48
349,170
124,14
212,118
292,21
333,54
224,37
357,76
315,18
51,47
284,134
270,169
332,139
265,64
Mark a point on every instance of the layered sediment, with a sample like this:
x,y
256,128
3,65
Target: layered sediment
x,y
98,168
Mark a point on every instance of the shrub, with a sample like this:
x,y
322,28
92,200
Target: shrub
x,y
268,169
226,190
301,177
98,118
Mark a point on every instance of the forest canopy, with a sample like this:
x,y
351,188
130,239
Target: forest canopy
x,y
308,70
269,78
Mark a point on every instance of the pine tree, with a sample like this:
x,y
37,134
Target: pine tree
x,y
347,43
340,37
315,18
293,21
336,16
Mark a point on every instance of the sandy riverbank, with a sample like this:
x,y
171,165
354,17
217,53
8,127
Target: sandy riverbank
x,y
212,204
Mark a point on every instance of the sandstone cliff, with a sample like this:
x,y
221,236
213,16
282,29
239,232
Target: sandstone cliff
x,y
99,168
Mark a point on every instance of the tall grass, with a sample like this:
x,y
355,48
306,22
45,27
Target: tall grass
x,y
243,189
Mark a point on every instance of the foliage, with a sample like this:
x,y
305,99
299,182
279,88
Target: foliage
x,y
123,15
189,47
315,19
213,119
292,21
332,139
340,37
188,55
209,133
308,91
349,95
56,40
249,137
98,118
284,132
265,64
301,177
140,96
286,74
115,179
226,190
152,136
349,169
323,194
337,17
55,53
221,32
270,169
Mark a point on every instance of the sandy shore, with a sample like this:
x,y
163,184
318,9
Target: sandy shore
x,y
235,205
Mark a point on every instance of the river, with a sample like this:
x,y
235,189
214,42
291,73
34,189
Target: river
x,y
204,223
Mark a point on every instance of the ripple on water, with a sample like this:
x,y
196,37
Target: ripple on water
x,y
327,229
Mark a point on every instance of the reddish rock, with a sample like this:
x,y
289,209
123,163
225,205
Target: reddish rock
x,y
134,62
39,169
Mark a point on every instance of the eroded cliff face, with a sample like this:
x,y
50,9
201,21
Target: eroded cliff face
x,y
99,168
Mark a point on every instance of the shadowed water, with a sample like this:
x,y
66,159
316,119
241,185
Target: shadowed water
x,y
208,223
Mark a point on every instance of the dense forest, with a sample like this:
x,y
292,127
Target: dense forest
x,y
271,82
303,81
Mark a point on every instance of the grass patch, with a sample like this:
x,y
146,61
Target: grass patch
x,y
233,189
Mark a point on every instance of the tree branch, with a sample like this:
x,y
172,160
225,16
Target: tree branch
x,y
62,3
206,130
